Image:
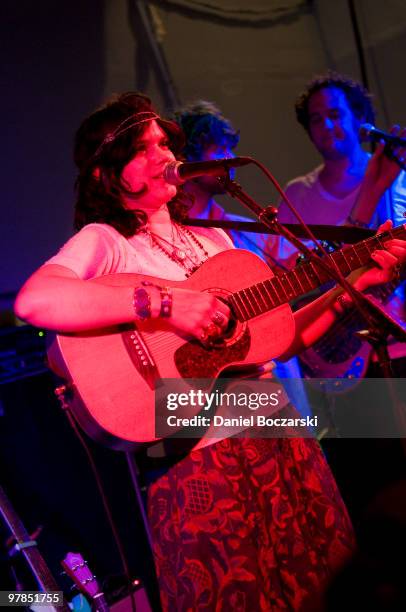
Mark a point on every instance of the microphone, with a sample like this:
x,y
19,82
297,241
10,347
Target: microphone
x,y
177,172
369,132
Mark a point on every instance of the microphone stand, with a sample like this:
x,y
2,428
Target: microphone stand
x,y
380,325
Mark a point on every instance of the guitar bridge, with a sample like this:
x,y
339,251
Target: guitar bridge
x,y
141,357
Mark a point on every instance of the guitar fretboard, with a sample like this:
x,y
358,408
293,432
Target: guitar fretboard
x,y
262,297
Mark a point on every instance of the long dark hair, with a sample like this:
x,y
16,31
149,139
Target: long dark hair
x,y
100,161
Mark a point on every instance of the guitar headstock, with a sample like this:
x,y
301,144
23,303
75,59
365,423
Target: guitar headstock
x,y
77,569
330,246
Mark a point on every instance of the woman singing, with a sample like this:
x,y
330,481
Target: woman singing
x,y
238,524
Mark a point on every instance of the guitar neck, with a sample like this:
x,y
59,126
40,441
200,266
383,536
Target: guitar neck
x,y
43,576
264,296
100,603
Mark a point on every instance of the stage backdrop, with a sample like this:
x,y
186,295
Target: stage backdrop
x,y
61,59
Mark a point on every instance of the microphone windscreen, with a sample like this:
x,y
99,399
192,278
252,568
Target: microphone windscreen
x,y
366,131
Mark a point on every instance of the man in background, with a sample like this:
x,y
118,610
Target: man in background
x,y
211,136
349,187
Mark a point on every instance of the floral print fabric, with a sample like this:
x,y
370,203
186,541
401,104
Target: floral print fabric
x,y
248,525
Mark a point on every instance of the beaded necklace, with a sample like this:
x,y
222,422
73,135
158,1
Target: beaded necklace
x,y
185,256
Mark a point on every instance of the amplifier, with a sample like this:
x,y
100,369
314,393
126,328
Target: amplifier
x,y
141,603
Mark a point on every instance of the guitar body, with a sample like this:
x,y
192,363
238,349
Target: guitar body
x,y
340,353
345,357
112,373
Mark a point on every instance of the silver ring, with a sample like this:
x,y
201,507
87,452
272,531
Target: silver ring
x,y
211,330
218,318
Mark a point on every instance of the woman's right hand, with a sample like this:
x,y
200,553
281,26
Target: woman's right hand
x,y
199,314
382,168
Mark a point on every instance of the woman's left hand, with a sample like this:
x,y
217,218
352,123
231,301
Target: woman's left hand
x,y
388,262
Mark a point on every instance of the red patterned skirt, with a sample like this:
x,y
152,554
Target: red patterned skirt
x,y
248,525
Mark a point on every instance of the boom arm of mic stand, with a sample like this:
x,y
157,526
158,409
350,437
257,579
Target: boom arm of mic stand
x,y
341,233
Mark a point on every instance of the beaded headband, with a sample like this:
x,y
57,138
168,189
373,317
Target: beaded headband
x,y
122,127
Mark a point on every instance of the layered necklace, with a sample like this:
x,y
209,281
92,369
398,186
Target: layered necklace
x,y
183,248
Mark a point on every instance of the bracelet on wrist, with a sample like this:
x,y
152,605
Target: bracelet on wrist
x,y
166,302
142,303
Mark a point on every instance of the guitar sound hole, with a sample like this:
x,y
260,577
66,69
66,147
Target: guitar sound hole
x,y
230,329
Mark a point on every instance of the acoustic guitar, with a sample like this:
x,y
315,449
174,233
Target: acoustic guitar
x,y
112,373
